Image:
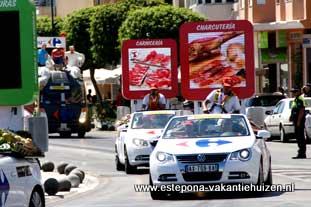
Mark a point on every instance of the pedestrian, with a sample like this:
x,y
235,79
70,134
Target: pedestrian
x,y
306,90
74,58
42,56
298,118
89,96
58,57
154,100
222,100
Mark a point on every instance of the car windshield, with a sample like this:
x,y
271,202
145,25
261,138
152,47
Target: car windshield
x,y
264,101
191,127
150,121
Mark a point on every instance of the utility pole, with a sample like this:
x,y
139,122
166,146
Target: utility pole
x,y
52,16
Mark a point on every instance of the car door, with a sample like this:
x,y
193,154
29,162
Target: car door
x,y
274,120
12,188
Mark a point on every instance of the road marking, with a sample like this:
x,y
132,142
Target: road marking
x,y
301,174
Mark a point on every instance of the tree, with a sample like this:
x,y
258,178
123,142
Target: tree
x,y
156,22
44,26
104,29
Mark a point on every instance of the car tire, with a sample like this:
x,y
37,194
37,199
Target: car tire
x,y
128,168
81,134
283,135
36,199
156,195
65,134
260,180
269,180
119,166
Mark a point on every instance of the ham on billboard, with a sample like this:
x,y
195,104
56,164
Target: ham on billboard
x,y
147,63
214,51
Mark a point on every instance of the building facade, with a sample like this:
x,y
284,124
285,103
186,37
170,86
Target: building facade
x,y
210,9
282,41
65,7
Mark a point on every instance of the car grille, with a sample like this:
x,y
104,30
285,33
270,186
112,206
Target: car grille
x,y
208,176
209,158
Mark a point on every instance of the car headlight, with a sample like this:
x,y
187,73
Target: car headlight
x,y
164,157
140,142
243,155
82,118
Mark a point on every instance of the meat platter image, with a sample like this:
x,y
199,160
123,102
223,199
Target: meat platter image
x,y
214,56
149,67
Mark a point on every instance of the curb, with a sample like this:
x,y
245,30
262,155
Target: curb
x,y
89,184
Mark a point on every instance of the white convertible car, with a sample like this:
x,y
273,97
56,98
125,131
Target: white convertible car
x,y
137,139
20,183
210,149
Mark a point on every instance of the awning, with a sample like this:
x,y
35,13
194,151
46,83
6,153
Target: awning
x,y
281,25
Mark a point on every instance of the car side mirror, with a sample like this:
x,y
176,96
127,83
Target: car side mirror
x,y
153,143
125,128
268,113
307,111
263,134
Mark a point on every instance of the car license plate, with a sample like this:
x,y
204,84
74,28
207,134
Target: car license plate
x,y
202,168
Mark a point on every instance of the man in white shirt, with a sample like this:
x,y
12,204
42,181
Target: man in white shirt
x,y
74,58
222,101
154,100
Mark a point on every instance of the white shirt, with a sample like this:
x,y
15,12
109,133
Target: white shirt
x,y
74,59
161,100
230,105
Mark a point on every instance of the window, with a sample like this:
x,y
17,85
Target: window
x,y
218,1
242,4
250,3
200,1
208,1
261,1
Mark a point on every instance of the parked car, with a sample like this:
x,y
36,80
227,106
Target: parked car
x,y
257,106
277,121
210,149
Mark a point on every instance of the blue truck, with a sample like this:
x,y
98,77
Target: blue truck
x,y
64,102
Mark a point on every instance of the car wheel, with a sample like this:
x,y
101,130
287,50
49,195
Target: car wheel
x,y
65,134
119,166
129,169
260,180
308,139
81,134
156,195
283,136
36,199
269,180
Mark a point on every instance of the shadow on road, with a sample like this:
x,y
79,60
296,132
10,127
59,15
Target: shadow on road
x,y
73,137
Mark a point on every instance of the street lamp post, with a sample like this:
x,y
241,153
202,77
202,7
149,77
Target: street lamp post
x,y
52,16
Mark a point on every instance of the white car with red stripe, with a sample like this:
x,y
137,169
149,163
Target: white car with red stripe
x,y
137,139
20,182
210,149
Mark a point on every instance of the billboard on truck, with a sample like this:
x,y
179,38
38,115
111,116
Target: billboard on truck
x,y
18,80
215,51
146,63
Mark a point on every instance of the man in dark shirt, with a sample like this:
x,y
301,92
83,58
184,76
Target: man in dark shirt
x,y
298,119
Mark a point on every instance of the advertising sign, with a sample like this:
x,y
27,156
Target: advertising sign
x,y
51,41
214,51
18,81
147,63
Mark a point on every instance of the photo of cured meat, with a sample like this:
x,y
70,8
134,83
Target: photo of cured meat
x,y
209,46
148,67
214,56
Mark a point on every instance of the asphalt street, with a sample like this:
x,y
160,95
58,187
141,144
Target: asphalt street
x,y
95,155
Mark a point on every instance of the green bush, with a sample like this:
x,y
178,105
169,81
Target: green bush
x,y
44,26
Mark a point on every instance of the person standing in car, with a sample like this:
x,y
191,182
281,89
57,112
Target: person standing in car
x,y
222,100
154,100
298,118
